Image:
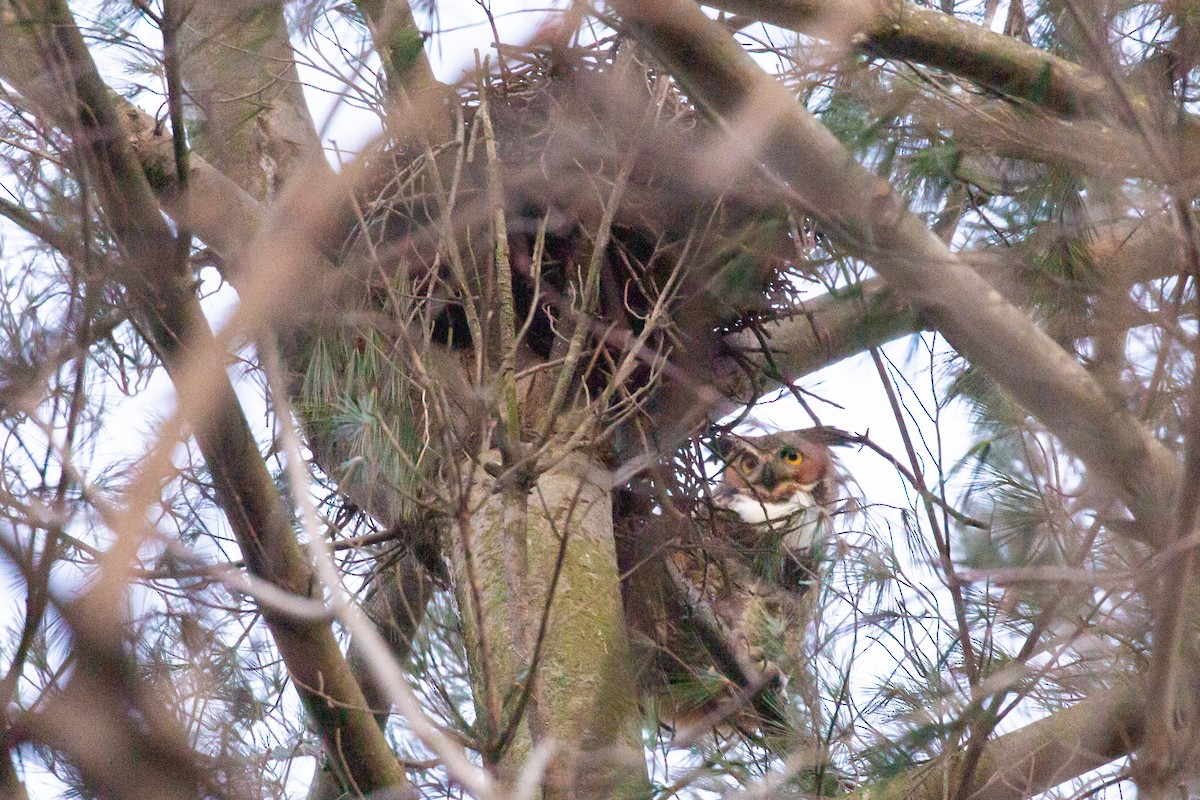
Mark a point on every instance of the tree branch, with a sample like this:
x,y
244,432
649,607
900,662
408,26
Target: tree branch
x,y
1037,757
845,323
240,71
905,31
410,78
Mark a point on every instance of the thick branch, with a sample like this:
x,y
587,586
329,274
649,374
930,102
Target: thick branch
x,y
835,326
1075,125
1035,758
222,214
818,333
905,31
240,70
411,82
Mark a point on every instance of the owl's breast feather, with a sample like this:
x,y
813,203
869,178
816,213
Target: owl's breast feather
x,y
800,519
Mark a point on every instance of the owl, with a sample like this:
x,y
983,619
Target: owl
x,y
781,486
720,600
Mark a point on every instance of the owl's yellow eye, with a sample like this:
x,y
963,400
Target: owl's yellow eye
x,y
747,463
791,455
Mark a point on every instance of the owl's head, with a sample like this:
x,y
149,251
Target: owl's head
x,y
778,467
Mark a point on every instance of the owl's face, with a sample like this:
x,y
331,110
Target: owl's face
x,y
777,468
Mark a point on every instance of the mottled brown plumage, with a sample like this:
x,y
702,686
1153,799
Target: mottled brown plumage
x,y
720,601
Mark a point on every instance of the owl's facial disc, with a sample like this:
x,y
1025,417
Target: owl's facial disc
x,y
781,476
769,471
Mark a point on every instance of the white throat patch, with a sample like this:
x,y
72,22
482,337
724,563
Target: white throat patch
x,y
799,519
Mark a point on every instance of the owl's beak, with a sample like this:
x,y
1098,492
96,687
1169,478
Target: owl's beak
x,y
768,478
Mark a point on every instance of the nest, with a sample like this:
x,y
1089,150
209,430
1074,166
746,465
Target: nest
x,y
593,149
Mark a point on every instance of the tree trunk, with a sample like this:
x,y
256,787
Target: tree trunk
x,y
579,702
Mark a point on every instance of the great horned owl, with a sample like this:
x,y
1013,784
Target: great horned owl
x,y
720,598
781,486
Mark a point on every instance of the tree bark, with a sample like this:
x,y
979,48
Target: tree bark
x,y
556,621
240,71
